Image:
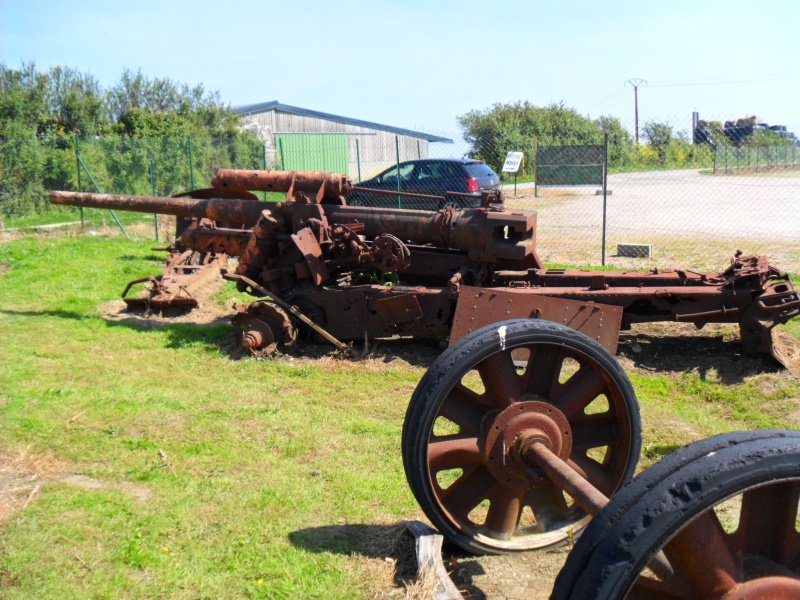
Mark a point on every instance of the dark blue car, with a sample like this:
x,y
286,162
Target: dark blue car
x,y
433,176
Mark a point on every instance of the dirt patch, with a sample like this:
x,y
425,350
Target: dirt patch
x,y
4,268
140,493
25,475
22,477
528,575
207,311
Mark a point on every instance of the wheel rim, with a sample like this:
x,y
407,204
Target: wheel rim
x,y
757,556
476,459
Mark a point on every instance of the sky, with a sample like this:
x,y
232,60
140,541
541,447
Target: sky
x,y
421,64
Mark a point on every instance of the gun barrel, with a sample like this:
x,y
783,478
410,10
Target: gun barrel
x,y
492,234
228,210
332,184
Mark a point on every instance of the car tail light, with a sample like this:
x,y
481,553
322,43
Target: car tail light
x,y
472,185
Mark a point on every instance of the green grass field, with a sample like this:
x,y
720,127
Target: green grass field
x,y
153,462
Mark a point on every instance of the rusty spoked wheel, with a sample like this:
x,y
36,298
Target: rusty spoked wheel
x,y
495,418
715,519
264,328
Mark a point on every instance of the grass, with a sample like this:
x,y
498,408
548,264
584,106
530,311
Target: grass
x,y
207,476
776,170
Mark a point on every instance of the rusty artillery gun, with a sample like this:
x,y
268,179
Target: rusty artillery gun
x,y
316,261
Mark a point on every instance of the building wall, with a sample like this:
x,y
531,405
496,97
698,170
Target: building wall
x,y
374,150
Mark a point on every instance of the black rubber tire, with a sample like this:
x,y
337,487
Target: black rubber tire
x,y
449,368
651,509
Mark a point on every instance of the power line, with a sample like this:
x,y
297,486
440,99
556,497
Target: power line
x,y
721,82
606,99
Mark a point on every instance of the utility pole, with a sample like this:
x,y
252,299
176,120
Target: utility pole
x,y
636,82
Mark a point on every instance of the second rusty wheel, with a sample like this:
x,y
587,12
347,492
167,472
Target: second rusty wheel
x,y
722,515
477,418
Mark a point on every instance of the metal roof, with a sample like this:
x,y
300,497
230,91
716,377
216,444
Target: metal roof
x,y
275,105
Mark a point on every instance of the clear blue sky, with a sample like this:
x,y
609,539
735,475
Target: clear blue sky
x,y
420,64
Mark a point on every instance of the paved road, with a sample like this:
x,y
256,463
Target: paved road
x,y
684,202
691,220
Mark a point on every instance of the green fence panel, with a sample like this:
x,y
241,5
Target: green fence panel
x,y
313,152
569,165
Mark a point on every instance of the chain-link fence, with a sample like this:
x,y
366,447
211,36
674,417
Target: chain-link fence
x,y
668,200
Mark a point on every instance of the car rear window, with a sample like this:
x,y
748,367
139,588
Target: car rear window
x,y
478,169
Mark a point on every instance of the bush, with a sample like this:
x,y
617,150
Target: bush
x,y
493,132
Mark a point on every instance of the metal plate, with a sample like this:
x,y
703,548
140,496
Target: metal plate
x,y
399,309
307,243
481,306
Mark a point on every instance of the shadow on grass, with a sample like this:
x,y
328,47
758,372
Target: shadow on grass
x,y
133,258
219,335
392,543
702,354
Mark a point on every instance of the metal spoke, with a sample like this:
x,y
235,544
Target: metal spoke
x,y
453,453
467,492
544,365
593,431
647,588
500,379
505,507
767,522
547,503
579,391
465,408
590,470
718,571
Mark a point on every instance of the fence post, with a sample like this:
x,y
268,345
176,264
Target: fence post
x,y
605,193
535,168
715,159
397,155
358,159
264,149
153,187
80,183
757,149
419,152
280,149
191,163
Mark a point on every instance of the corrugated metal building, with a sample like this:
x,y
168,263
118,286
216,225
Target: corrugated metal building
x,y
308,140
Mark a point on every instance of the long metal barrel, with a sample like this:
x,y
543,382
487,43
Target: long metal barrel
x,y
417,225
228,210
335,184
508,234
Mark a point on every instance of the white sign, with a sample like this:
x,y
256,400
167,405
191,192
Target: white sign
x,y
513,161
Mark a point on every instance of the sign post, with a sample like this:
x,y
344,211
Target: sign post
x,y
512,165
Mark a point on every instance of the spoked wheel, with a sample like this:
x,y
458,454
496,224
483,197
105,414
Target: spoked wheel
x,y
717,519
495,420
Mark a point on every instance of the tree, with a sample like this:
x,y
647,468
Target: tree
x,y
658,135
520,126
75,103
765,137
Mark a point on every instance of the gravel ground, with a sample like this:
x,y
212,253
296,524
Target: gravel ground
x,y
684,214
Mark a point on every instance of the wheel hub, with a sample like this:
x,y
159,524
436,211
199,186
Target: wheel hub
x,y
775,588
262,327
512,433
